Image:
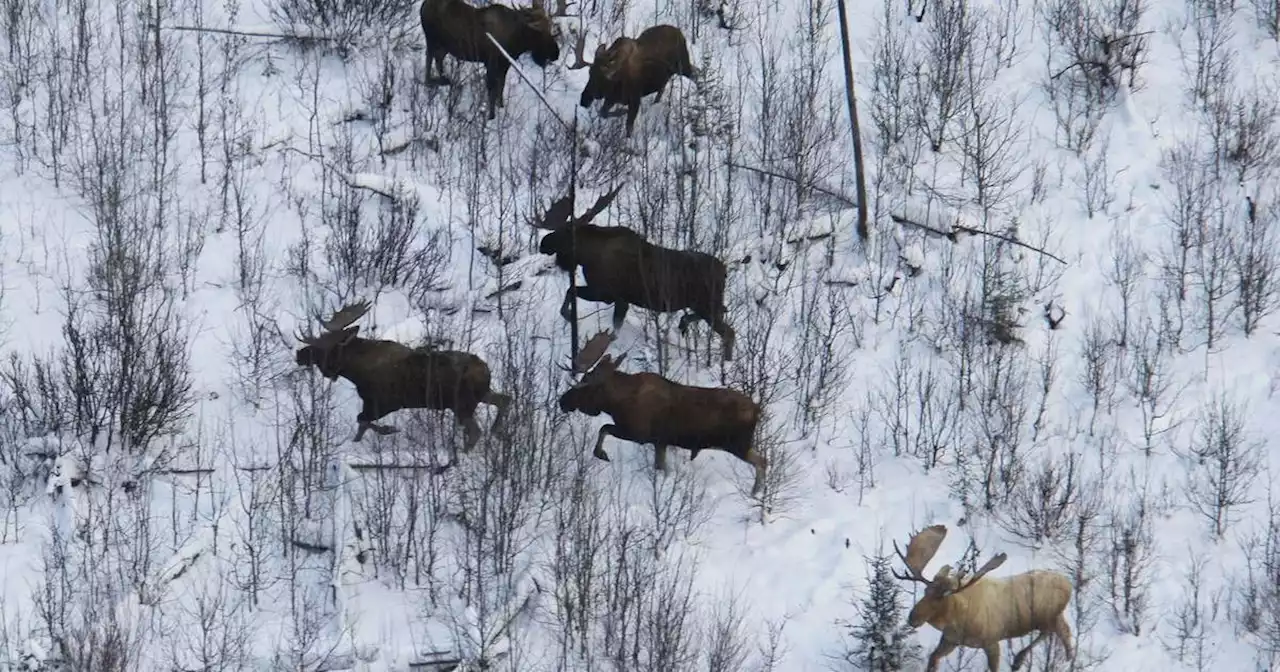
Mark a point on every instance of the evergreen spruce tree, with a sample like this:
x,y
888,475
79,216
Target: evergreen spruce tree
x,y
881,639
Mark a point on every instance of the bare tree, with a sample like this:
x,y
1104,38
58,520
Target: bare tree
x,y
940,95
1189,620
1211,61
1126,274
1129,562
1082,556
726,644
1100,370
1254,248
1224,462
1045,505
1093,46
1151,380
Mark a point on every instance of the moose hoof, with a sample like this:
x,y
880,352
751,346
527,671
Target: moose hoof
x,y
600,455
440,80
383,430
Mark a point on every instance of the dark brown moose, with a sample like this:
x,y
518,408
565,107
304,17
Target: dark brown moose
x,y
621,267
632,68
647,408
456,28
390,376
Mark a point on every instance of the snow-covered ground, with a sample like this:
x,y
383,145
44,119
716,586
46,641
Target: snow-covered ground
x,y
1079,372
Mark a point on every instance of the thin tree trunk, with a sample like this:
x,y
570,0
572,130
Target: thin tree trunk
x,y
864,229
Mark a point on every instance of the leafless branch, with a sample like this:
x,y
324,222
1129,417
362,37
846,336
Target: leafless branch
x,y
956,229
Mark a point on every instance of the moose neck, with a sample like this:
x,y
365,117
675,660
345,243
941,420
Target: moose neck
x,y
618,390
360,359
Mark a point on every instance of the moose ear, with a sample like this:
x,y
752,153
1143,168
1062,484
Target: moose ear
x,y
600,51
349,334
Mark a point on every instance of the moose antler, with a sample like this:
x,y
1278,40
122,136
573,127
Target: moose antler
x,y
560,213
592,351
579,51
339,321
557,215
920,550
964,580
600,204
344,317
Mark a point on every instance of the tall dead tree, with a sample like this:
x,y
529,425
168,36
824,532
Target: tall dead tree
x,y
851,99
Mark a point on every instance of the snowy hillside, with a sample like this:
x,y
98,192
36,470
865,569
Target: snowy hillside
x,y
1059,340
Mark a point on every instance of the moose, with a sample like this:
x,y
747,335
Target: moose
x,y
647,408
632,68
390,376
622,267
979,613
456,28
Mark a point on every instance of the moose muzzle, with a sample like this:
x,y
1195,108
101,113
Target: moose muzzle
x,y
568,401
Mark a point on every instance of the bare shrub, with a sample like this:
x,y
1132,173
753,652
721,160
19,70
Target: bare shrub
x,y
1126,274
1254,248
1257,604
1191,619
1266,13
1101,369
824,349
1152,381
726,643
1212,60
1223,462
1045,504
1093,45
917,406
940,92
1129,561
996,425
344,25
1191,203
1082,557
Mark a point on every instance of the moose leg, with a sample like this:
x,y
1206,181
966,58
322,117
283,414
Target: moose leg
x,y
495,78
501,402
941,651
365,421
687,319
660,456
599,453
727,335
586,293
565,307
718,325
620,309
633,109
993,657
435,56
470,431
380,430
761,465
1021,657
1063,631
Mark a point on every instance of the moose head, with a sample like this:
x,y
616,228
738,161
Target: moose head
x,y
938,590
327,351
